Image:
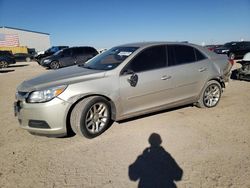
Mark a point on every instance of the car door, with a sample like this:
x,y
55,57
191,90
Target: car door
x,y
188,67
83,55
66,58
145,82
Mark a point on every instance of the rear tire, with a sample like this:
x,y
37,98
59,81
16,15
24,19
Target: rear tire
x,y
210,95
91,117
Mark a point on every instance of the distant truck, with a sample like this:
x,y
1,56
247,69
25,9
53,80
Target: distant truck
x,y
14,50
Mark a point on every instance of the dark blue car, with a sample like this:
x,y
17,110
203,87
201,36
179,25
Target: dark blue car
x,y
6,58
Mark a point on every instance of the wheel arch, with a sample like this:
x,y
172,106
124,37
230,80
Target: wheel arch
x,y
220,80
75,100
56,60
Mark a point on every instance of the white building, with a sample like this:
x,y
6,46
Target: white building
x,y
31,39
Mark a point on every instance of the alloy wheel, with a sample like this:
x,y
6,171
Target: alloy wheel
x,y
211,95
97,118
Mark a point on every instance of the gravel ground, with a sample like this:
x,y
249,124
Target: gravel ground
x,y
200,147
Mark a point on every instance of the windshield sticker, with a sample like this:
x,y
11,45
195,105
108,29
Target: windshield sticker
x,y
110,66
124,53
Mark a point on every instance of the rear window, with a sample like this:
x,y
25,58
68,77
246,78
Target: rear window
x,y
180,54
90,50
199,55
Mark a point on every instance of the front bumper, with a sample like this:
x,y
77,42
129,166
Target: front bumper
x,y
47,118
45,64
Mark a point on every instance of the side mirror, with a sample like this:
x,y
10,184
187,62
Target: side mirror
x,y
128,72
133,80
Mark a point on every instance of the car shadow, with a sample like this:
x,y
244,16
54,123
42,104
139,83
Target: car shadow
x,y
6,71
12,66
155,167
154,113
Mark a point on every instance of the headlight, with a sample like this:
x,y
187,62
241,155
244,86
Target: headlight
x,y
47,61
45,95
223,51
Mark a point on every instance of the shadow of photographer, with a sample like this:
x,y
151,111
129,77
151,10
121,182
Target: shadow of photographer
x,y
155,167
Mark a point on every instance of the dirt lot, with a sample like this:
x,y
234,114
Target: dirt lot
x,y
200,147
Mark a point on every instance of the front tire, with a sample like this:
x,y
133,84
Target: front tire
x,y
3,64
91,117
231,56
27,59
211,95
54,65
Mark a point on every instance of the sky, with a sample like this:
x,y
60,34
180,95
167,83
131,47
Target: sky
x,y
103,24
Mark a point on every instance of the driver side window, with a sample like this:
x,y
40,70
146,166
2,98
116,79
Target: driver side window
x,y
149,59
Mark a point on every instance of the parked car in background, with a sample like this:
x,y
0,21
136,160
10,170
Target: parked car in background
x,y
32,51
213,47
224,49
49,52
123,82
23,57
239,50
68,57
234,50
6,58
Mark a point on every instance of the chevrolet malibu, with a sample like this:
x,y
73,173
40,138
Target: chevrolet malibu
x,y
123,82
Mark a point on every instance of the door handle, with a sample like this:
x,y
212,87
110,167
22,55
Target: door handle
x,y
165,77
202,69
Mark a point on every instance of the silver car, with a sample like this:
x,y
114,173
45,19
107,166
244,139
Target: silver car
x,y
123,82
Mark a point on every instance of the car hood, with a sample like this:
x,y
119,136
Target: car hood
x,y
62,76
51,58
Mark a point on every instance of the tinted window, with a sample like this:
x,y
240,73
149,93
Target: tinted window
x,y
62,47
199,55
180,54
230,44
5,53
151,58
78,51
67,52
248,43
89,50
171,55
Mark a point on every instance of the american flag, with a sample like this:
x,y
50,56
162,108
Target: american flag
x,y
9,40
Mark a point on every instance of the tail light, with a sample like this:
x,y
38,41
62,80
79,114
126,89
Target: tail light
x,y
231,61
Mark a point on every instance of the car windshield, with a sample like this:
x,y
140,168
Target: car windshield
x,y
230,44
110,59
58,52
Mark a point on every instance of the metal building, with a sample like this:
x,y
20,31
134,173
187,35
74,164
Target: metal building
x,y
31,39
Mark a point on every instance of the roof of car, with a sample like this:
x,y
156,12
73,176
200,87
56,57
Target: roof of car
x,y
144,44
207,52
